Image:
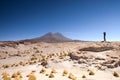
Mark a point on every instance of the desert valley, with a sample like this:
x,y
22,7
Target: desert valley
x,y
55,57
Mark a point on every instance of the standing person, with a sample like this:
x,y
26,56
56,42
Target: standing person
x,y
104,36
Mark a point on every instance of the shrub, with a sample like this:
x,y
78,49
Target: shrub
x,y
43,70
23,64
115,74
65,72
37,51
6,76
44,63
53,71
16,65
20,63
26,63
14,75
17,78
5,66
20,76
71,76
33,71
47,74
34,62
30,62
12,65
91,73
51,75
18,73
83,76
32,77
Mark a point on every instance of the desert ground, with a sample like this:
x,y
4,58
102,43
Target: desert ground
x,y
60,61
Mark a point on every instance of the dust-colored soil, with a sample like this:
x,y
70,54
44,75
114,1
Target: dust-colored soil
x,y
77,58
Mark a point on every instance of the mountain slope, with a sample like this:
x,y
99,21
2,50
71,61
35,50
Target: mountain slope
x,y
53,37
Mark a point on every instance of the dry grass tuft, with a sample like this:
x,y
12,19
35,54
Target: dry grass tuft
x,y
53,71
18,73
14,75
65,72
71,76
51,75
115,74
33,71
43,70
18,78
91,72
5,76
83,76
46,74
31,77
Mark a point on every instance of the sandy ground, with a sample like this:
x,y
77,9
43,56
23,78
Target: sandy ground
x,y
70,56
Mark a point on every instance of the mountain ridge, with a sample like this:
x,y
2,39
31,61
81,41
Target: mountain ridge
x,y
52,37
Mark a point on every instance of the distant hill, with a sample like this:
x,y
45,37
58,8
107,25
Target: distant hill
x,y
52,37
49,37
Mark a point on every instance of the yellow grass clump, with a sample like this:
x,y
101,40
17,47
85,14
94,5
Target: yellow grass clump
x,y
12,65
71,76
17,78
17,75
65,72
5,66
53,71
14,75
20,63
91,72
16,65
31,77
43,70
83,76
33,71
115,74
51,75
47,74
5,76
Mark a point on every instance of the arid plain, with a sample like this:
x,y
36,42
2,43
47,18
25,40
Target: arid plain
x,y
59,61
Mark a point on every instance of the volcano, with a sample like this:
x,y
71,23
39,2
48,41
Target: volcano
x,y
53,37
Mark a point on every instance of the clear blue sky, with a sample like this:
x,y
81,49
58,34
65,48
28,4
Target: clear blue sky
x,y
76,19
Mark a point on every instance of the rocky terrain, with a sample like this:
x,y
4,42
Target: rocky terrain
x,y
65,58
38,60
